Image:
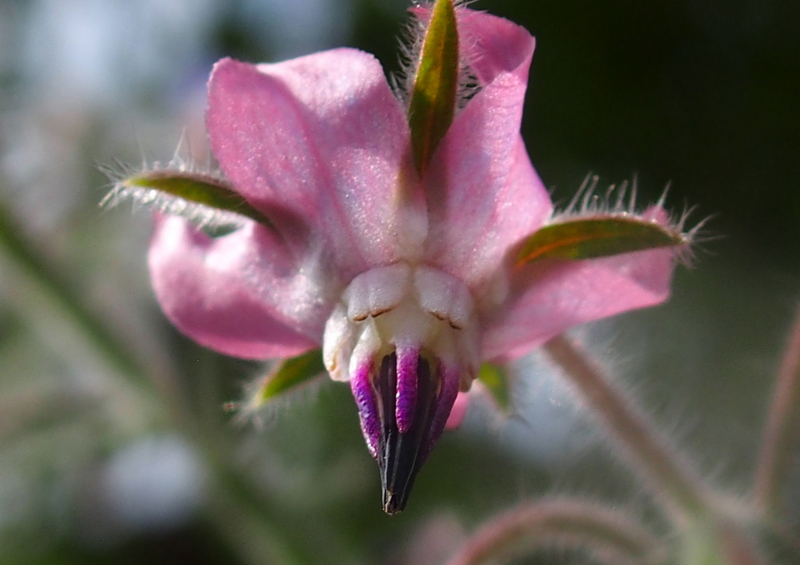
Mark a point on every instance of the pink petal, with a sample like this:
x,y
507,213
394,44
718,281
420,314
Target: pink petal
x,y
550,296
241,294
492,45
458,412
323,137
483,192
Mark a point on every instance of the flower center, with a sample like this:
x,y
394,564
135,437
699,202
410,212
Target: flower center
x,y
406,338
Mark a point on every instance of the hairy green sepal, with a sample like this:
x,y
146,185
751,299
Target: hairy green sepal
x,y
196,188
495,380
589,238
433,96
289,375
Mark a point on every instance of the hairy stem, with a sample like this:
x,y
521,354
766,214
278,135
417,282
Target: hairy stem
x,y
650,452
607,535
782,431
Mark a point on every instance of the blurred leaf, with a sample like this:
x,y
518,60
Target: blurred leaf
x,y
495,379
287,376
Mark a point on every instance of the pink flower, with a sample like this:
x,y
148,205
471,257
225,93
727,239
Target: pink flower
x,y
408,281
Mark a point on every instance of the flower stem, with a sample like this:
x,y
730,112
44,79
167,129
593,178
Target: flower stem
x,y
606,534
782,432
650,452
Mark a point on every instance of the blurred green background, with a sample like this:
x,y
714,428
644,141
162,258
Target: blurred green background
x,y
114,445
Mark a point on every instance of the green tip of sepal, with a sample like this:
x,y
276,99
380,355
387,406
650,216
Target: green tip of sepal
x,y
433,95
203,197
285,377
589,238
496,382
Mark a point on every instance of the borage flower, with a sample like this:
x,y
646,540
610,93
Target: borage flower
x,y
407,235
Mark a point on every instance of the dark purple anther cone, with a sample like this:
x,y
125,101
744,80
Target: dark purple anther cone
x,y
401,439
400,455
403,414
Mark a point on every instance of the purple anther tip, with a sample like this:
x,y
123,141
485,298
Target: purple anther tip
x,y
364,396
406,400
451,377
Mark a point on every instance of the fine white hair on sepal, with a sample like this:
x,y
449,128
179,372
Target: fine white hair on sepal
x,y
128,184
616,200
411,39
620,201
256,411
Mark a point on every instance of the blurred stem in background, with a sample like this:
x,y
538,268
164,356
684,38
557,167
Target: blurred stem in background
x,y
779,445
708,532
672,479
713,528
47,281
606,535
249,522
